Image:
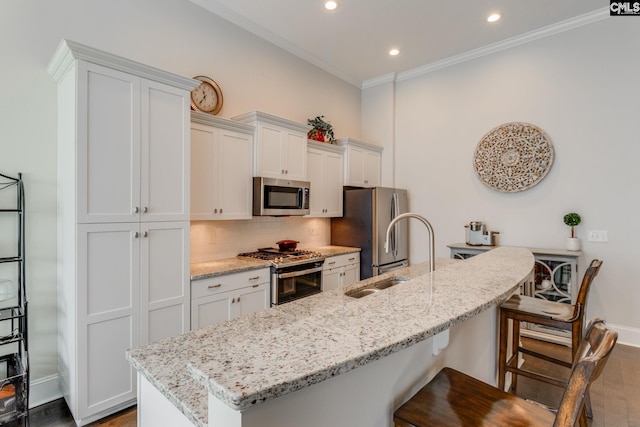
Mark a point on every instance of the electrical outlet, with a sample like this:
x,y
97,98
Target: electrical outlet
x,y
598,236
312,231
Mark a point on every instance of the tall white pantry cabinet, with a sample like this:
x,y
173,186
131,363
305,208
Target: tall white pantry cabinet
x,y
123,220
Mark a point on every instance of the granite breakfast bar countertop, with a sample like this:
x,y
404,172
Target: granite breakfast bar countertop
x,y
256,358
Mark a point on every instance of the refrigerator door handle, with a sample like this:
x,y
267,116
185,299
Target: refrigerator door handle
x,y
395,211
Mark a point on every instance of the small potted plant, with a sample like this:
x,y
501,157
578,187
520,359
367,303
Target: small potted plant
x,y
320,130
572,220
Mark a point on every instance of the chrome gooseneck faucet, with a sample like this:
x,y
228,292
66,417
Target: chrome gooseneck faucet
x,y
432,257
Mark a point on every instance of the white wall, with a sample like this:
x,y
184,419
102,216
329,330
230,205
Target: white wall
x,y
581,87
173,35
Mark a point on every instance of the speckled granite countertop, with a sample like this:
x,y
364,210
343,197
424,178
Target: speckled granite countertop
x,y
283,349
220,267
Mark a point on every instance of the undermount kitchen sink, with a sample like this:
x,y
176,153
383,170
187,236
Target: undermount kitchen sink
x,y
374,287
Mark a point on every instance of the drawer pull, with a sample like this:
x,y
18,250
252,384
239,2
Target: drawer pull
x,y
331,263
215,286
255,286
352,259
254,278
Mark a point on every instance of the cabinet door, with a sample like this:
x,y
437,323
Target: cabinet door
x,y
371,169
331,279
234,177
107,314
211,309
108,145
252,299
203,171
269,153
165,153
355,167
164,280
316,173
333,179
351,274
296,155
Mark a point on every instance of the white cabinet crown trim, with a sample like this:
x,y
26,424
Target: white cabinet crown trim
x,y
361,144
326,147
255,116
69,51
209,120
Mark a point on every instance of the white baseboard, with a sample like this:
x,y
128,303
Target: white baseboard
x,y
44,390
626,335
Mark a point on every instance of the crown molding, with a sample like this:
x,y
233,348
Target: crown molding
x,y
559,27
69,51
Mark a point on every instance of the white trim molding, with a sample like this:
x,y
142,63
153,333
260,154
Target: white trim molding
x,y
626,335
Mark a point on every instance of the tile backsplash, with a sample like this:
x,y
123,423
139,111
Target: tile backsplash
x,y
223,239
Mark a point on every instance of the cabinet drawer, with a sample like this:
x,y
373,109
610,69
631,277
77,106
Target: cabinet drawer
x,y
341,260
229,282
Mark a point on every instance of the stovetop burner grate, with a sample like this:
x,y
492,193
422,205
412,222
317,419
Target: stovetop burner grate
x,y
279,257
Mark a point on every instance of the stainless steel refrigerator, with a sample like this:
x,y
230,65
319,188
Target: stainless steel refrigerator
x,y
366,216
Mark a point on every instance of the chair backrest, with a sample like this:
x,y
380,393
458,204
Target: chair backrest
x,y
583,294
590,359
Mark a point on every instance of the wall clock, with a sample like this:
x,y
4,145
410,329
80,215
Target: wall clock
x,y
513,157
207,97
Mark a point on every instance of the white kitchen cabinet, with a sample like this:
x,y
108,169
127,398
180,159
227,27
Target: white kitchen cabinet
x,y
227,297
123,220
221,168
340,271
280,146
363,163
132,277
325,164
133,156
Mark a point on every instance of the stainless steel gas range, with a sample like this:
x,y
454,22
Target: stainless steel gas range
x,y
294,274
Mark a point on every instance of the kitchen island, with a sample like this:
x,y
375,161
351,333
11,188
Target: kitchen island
x,y
295,364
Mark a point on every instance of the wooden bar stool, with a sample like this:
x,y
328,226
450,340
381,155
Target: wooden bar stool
x,y
568,317
455,399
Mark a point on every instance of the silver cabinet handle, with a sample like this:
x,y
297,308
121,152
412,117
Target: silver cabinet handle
x,y
282,171
238,300
255,286
145,234
136,234
254,278
352,259
215,210
136,209
145,209
220,210
331,263
214,286
233,301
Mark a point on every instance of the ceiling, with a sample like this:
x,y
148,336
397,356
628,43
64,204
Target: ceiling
x,y
352,42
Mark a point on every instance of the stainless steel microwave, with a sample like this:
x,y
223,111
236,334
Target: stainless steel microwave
x,y
280,197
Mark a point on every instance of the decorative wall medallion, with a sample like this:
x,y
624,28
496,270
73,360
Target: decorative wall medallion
x,y
513,157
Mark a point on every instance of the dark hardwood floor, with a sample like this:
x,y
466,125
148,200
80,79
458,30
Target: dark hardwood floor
x,y
615,395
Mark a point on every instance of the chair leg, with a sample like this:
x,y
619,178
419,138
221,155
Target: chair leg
x,y
582,419
515,349
502,355
588,411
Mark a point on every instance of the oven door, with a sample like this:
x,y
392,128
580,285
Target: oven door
x,y
295,282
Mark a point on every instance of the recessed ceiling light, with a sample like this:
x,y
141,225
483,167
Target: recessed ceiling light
x,y
394,52
494,17
330,5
